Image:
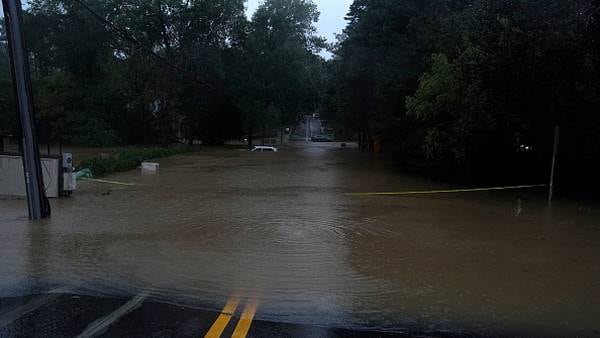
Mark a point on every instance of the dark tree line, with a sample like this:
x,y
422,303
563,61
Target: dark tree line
x,y
158,71
473,88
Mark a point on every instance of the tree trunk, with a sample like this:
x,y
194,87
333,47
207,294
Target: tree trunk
x,y
281,135
364,139
553,169
359,139
250,137
190,136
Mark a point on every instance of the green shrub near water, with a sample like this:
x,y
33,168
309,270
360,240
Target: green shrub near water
x,y
128,160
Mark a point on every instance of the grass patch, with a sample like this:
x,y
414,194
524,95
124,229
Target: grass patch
x,y
128,160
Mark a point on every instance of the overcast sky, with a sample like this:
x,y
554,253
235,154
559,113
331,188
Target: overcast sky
x,y
332,16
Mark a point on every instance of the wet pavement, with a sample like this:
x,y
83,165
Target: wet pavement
x,y
71,315
280,231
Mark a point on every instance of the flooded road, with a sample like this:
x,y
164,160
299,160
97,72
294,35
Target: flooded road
x,y
281,228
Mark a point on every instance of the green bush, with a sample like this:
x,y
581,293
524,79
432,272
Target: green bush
x,y
128,160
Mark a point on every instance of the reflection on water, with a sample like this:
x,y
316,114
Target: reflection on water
x,y
280,227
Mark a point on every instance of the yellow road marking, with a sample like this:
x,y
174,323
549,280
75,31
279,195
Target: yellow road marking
x,y
449,191
219,325
243,325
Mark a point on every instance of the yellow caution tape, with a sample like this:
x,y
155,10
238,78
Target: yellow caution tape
x,y
448,191
113,182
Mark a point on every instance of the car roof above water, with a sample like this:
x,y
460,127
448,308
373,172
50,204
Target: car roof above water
x,y
262,148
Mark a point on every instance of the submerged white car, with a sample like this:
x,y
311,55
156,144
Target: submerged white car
x,y
264,148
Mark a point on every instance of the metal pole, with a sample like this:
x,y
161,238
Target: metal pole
x,y
36,197
553,170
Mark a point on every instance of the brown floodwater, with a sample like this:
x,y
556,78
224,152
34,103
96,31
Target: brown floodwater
x,y
282,228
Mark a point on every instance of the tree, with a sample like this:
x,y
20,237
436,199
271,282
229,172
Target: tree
x,y
466,86
100,68
278,61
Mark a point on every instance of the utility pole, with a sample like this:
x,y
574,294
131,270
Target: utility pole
x,y
37,201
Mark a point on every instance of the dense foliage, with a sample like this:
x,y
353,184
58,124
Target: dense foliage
x,y
469,88
473,87
160,71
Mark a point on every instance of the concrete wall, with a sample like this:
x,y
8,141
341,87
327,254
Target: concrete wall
x,y
12,181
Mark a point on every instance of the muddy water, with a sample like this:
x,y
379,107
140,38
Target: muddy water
x,y
281,228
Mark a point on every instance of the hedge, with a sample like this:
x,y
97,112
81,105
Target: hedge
x,y
128,160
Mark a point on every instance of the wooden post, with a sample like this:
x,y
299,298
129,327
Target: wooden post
x,y
37,201
553,170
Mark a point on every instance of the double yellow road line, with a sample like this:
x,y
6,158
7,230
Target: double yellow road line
x,y
243,324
